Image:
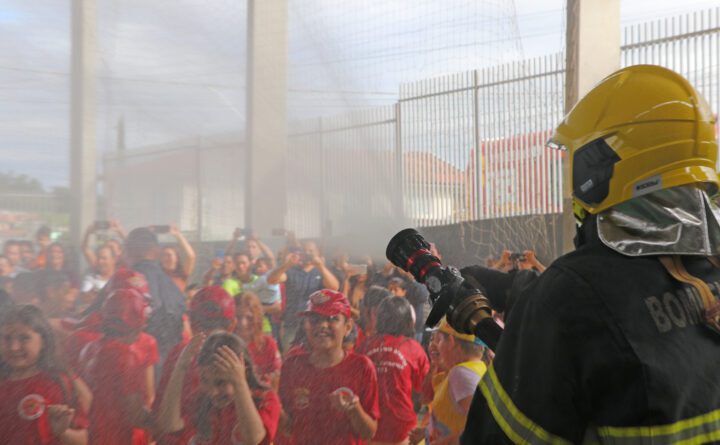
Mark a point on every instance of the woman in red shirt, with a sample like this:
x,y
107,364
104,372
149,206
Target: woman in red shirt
x,y
401,365
39,401
329,395
232,406
262,348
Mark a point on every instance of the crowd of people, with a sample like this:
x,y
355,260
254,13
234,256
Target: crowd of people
x,y
260,348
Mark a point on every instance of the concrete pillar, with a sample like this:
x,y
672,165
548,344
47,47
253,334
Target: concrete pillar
x,y
592,52
266,121
83,185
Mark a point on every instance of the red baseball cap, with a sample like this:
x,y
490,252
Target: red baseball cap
x,y
125,311
213,302
328,303
128,279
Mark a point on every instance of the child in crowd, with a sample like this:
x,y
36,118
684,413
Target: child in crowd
x,y
212,309
368,310
231,407
89,329
262,348
40,403
116,374
462,355
401,365
329,395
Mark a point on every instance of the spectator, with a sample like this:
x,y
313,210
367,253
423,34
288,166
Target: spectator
x,y
243,270
232,405
115,373
396,286
58,296
6,268
167,302
303,273
462,355
255,248
269,294
105,226
401,365
57,261
27,288
211,310
43,238
11,251
27,254
262,348
358,285
368,310
222,273
40,401
178,269
329,395
99,275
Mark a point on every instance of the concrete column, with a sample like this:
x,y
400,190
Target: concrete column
x,y
266,121
592,52
83,185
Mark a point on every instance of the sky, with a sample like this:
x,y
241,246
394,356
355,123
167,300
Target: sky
x,y
174,69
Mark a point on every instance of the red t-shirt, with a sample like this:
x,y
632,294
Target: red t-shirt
x,y
401,365
114,372
23,410
146,350
305,394
266,358
223,421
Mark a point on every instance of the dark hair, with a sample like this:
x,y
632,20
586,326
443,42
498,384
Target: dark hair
x,y
43,231
264,260
27,243
397,281
48,360
10,242
374,296
33,317
395,317
51,279
140,241
351,336
206,357
27,283
179,270
241,253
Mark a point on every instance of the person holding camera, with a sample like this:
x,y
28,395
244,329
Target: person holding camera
x,y
303,272
618,341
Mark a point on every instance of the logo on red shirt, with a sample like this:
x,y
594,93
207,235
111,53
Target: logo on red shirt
x,y
302,398
31,407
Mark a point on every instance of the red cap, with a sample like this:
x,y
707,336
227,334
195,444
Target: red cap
x,y
125,311
128,279
213,302
327,302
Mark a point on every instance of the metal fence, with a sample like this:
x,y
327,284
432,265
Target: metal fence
x,y
454,149
688,44
198,185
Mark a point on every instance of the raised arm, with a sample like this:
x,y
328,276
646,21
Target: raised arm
x,y
88,251
330,281
168,418
278,275
188,251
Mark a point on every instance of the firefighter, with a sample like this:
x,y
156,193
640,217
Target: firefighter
x,y
619,341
